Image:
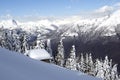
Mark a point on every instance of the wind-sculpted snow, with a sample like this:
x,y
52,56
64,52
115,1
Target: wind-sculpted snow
x,y
15,66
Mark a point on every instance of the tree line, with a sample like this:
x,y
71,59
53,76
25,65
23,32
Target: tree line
x,y
100,68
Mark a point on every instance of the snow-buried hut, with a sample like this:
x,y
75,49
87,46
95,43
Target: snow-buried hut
x,y
39,54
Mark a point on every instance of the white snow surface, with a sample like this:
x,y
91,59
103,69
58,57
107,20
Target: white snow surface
x,y
15,66
39,54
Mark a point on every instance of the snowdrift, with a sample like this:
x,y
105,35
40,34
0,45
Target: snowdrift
x,y
38,54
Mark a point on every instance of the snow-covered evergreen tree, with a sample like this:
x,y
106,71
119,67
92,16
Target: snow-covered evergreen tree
x,y
106,68
90,65
114,73
81,64
99,69
60,55
71,61
8,40
39,43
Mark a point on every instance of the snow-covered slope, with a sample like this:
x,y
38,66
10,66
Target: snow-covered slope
x,y
15,66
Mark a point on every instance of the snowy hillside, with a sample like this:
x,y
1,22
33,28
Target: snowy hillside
x,y
14,66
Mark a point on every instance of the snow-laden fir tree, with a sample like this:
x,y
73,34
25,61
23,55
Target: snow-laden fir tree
x,y
86,64
110,72
114,73
60,55
81,63
16,41
90,65
3,38
39,43
107,68
17,44
8,40
71,61
99,72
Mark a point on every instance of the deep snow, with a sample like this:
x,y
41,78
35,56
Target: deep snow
x,y
38,54
15,66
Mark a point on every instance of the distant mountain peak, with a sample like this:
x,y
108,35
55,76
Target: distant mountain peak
x,y
14,22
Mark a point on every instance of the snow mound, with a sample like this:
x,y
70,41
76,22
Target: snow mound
x,y
39,54
15,66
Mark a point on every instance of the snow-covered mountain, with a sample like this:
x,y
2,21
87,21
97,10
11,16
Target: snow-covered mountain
x,y
72,26
15,66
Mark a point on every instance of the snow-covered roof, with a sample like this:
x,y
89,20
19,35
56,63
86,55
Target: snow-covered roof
x,y
39,54
15,66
